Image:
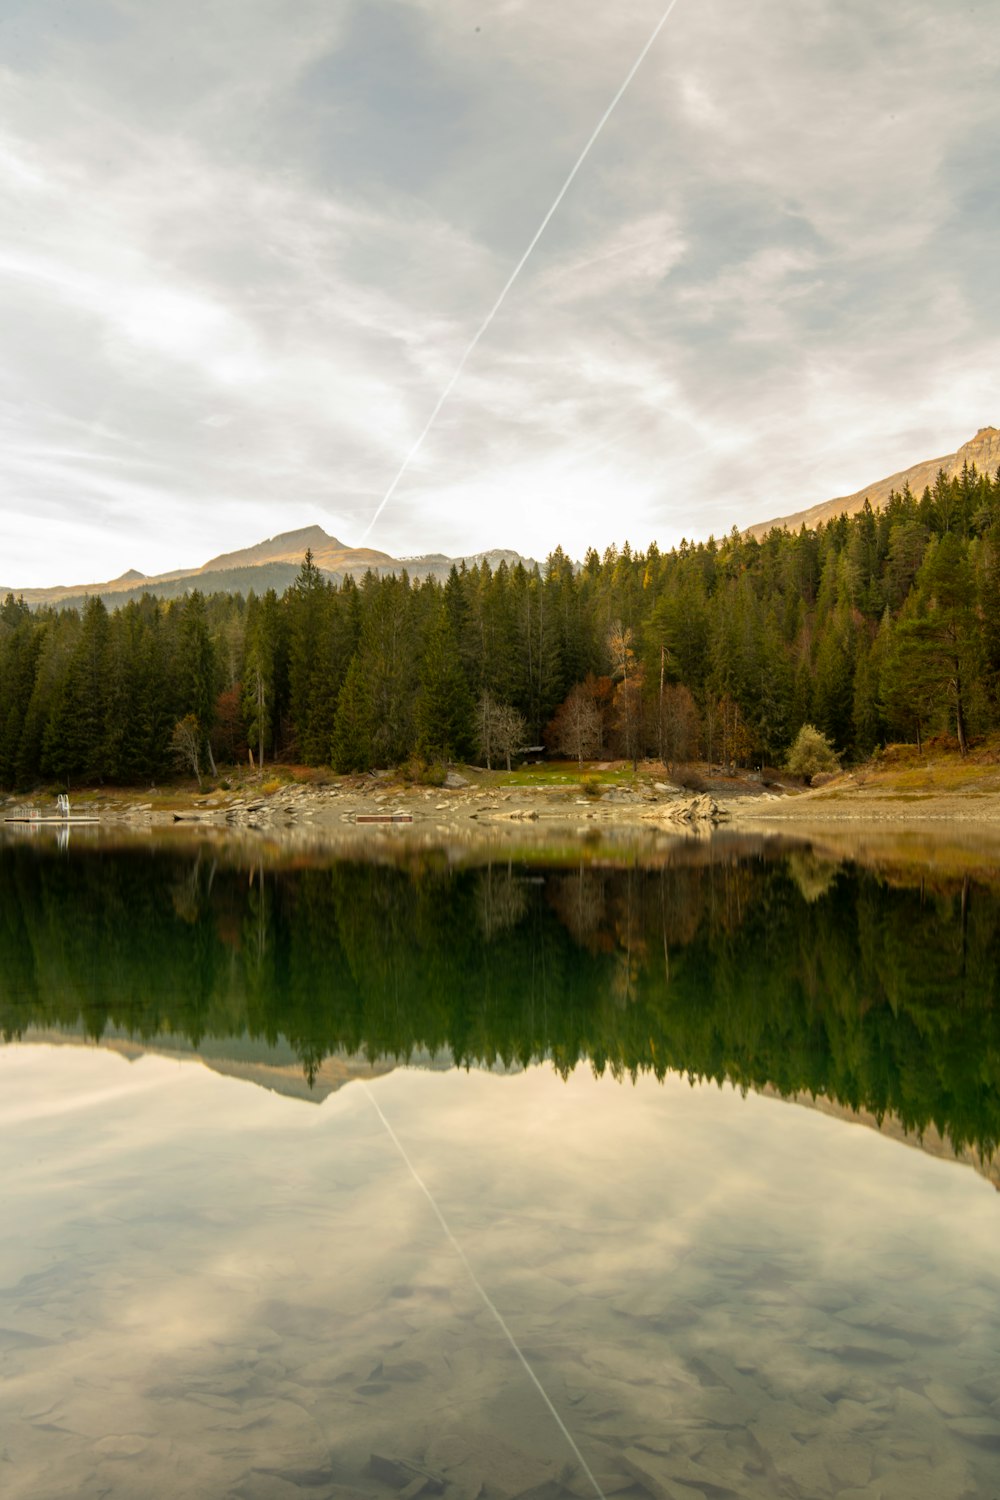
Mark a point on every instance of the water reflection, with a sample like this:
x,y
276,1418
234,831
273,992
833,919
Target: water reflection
x,y
210,1290
787,971
213,1290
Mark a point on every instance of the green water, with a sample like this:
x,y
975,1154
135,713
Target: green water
x,y
366,1141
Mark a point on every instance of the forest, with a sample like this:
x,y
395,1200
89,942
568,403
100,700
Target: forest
x,y
883,626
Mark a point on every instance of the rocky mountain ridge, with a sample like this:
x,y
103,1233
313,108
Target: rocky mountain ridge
x,y
983,451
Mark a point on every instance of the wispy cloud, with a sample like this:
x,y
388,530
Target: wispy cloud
x,y
241,259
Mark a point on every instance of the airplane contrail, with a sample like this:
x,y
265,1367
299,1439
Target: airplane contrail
x,y
411,455
484,1294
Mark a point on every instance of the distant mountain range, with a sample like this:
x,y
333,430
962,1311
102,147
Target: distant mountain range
x,y
272,564
983,450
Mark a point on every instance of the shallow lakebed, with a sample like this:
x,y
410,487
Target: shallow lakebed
x,y
359,1177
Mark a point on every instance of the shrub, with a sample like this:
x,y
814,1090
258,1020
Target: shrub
x,y
690,779
811,754
420,772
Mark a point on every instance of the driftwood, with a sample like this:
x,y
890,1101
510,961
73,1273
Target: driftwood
x,y
703,809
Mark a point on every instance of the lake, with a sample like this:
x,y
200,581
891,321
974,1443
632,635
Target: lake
x,y
535,1172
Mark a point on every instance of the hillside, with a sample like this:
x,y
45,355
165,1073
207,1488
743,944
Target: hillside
x,y
983,451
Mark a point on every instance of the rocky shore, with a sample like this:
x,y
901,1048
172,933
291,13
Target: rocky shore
x,y
475,802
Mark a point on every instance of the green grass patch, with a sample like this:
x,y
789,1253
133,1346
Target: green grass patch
x,y
565,773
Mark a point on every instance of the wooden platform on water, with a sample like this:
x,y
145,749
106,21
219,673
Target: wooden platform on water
x,y
73,821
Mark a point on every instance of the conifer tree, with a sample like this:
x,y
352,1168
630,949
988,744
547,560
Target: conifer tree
x,y
443,706
351,747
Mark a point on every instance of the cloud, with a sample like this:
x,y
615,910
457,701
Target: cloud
x,y
251,254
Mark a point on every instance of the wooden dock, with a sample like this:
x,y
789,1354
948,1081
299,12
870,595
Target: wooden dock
x,y
75,820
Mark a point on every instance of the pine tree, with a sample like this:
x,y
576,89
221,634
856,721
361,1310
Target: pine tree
x,y
943,628
351,747
198,686
444,705
80,751
20,644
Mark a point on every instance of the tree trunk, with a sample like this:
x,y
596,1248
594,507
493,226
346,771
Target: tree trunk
x,y
956,684
663,652
260,718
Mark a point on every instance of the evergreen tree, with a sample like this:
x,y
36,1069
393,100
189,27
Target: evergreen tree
x,y
444,705
76,739
197,676
20,644
351,747
943,628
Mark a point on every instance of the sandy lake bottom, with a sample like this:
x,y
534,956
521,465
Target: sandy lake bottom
x,y
208,1289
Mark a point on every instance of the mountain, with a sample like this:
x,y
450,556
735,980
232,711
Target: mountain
x,y
436,564
330,555
273,563
983,450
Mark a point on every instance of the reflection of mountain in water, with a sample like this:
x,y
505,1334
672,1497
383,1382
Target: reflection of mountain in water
x,y
275,1068
764,972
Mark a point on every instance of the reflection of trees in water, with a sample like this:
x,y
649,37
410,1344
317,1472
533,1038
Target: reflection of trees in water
x,y
256,920
192,889
501,900
750,970
812,875
579,900
185,894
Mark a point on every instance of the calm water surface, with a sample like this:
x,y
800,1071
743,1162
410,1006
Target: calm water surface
x,y
399,1176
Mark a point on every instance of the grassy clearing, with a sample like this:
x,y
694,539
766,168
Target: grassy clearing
x,y
563,774
938,769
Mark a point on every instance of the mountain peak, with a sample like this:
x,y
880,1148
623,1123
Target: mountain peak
x,y
983,450
305,536
287,546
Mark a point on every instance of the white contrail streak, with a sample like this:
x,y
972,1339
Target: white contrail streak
x,y
483,1293
516,272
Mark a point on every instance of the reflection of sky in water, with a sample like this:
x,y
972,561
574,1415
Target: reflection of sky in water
x,y
208,1289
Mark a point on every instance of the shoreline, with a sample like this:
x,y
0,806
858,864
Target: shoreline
x,y
955,836
555,799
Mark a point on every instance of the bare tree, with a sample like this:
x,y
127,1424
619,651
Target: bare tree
x,y
185,744
258,726
620,650
486,711
628,717
512,732
678,724
576,729
628,692
500,730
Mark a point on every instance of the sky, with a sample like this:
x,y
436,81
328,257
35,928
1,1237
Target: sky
x,y
245,243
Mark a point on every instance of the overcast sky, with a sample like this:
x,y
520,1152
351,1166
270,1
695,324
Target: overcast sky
x,y
245,242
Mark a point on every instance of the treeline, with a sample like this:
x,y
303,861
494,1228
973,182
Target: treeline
x,y
885,625
756,972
